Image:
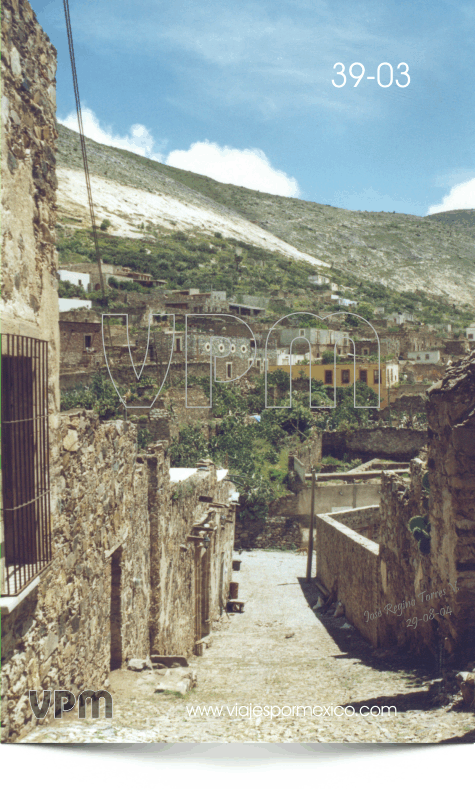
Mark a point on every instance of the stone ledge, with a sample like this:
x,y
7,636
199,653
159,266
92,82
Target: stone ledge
x,y
10,602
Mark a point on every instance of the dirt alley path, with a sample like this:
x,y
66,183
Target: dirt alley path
x,y
278,652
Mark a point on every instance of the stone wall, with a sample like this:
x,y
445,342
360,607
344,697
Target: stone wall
x,y
411,404
451,417
399,444
419,372
274,532
328,495
364,520
405,572
28,139
456,347
421,601
94,605
125,579
74,352
446,576
306,455
60,635
349,567
178,563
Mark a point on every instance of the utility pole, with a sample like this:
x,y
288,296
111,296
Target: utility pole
x,y
310,530
390,420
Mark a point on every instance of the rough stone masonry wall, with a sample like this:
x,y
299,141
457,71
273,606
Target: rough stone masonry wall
x,y
28,137
364,520
174,508
348,565
446,576
73,347
59,636
451,462
274,532
405,572
308,453
399,444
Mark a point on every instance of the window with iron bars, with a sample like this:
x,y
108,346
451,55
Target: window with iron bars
x,y
26,513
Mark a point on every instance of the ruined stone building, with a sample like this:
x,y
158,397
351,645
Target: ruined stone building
x,y
86,274
413,583
80,344
108,554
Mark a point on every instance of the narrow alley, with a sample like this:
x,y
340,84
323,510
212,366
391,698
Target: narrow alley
x,y
278,653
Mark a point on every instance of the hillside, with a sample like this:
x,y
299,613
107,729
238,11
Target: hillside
x,y
435,255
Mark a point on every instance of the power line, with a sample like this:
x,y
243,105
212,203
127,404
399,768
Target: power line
x,y
83,142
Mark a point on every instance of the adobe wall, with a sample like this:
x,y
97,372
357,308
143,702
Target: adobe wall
x,y
28,141
416,339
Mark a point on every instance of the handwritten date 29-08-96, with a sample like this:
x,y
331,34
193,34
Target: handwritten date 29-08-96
x,y
413,621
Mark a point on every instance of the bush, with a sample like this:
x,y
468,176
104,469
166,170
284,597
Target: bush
x,y
328,358
68,290
143,437
99,396
190,446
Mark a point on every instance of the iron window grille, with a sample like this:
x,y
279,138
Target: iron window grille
x,y
25,461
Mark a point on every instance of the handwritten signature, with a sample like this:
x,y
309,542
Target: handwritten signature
x,y
413,622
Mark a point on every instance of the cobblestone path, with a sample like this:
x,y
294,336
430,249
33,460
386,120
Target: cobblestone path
x,y
278,653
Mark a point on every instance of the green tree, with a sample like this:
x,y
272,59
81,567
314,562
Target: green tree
x,y
328,357
190,446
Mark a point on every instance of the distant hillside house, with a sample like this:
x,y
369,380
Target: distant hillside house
x,y
318,279
120,273
401,318
470,332
76,278
428,357
79,340
73,304
339,300
343,375
245,309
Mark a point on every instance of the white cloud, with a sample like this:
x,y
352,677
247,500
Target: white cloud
x,y
245,168
139,141
460,196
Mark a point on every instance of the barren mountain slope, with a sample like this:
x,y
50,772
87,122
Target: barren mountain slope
x,y
434,254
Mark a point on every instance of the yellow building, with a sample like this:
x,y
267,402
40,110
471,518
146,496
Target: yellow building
x,y
366,372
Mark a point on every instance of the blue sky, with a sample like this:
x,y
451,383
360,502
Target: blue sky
x,y
243,92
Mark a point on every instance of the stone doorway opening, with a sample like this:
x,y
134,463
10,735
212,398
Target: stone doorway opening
x,y
116,610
